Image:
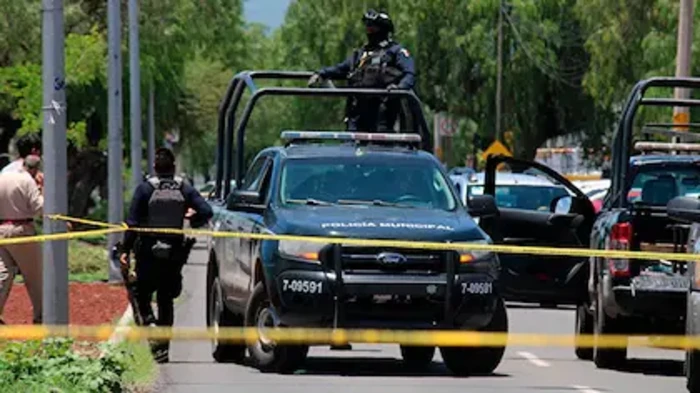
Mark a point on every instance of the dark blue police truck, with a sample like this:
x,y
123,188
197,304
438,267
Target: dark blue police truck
x,y
346,185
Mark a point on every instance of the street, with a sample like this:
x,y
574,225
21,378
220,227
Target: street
x,y
378,368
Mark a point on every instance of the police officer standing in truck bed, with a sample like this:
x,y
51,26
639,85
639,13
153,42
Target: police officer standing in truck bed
x,y
381,63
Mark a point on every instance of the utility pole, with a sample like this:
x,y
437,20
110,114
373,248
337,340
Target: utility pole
x,y
151,131
135,92
54,253
681,115
499,70
115,124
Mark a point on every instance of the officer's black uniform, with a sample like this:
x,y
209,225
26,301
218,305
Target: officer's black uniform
x,y
161,202
381,63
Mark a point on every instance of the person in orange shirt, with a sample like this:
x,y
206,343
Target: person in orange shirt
x,y
20,201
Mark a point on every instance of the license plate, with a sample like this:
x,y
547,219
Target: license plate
x,y
654,282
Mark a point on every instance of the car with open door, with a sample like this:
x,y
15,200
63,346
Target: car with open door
x,y
537,207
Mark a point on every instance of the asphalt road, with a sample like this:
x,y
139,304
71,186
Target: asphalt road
x,y
377,368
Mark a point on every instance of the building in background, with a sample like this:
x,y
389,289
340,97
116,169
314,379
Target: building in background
x,y
565,155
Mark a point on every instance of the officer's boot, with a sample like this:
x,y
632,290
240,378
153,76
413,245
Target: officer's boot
x,y
161,351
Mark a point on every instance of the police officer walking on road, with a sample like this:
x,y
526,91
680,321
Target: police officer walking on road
x,y
381,63
162,201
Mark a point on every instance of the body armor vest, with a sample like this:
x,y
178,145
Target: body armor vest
x,y
373,69
166,207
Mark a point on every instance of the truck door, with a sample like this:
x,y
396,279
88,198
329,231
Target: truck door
x,y
538,207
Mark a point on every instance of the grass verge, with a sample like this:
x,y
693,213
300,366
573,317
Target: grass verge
x,y
65,366
142,373
87,261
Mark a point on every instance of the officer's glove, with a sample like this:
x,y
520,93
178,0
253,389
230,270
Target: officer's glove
x,y
124,263
393,87
314,80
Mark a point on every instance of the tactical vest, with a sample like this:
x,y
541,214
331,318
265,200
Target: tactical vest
x,y
374,69
166,207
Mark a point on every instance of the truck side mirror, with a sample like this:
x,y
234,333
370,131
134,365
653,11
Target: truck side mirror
x,y
562,204
482,206
685,209
246,201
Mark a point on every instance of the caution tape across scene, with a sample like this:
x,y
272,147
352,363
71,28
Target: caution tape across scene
x,y
497,248
311,336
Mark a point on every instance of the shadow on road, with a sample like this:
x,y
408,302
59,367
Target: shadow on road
x,y
372,367
657,367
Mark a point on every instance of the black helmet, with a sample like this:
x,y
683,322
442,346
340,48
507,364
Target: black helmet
x,y
378,19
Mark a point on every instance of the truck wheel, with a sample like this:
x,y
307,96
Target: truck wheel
x,y
606,358
417,358
692,374
584,326
479,360
268,356
219,316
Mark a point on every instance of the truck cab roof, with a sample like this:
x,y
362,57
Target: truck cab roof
x,y
651,159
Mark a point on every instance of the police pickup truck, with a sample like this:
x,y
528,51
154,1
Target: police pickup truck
x,y
352,185
634,296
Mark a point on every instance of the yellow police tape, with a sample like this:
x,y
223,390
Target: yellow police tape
x,y
58,236
497,248
531,250
85,221
310,336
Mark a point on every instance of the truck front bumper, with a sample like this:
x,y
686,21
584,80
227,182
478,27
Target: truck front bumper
x,y
319,299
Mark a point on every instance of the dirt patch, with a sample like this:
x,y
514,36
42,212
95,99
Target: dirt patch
x,y
90,304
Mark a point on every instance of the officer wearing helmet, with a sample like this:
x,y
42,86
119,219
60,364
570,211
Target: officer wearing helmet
x,y
381,63
161,202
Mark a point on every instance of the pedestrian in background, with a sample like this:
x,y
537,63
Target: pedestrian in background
x,y
26,145
29,144
20,202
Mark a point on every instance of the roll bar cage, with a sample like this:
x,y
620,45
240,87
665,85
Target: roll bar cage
x,y
622,139
246,80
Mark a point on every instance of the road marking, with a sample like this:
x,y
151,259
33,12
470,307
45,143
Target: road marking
x,y
533,359
584,389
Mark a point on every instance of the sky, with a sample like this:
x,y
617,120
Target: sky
x,y
268,12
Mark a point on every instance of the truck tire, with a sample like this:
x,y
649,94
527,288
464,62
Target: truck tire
x,y
479,360
584,327
417,358
220,316
692,371
606,358
266,355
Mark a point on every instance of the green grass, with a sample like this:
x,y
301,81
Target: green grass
x,y
61,365
87,262
142,371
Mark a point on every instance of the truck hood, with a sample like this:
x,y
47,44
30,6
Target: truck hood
x,y
370,222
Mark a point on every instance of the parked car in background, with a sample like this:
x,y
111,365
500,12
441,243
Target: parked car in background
x,y
595,190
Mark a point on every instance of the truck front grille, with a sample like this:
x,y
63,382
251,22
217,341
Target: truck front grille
x,y
373,260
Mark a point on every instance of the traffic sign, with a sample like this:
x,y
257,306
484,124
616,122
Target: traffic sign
x,y
496,148
445,124
681,118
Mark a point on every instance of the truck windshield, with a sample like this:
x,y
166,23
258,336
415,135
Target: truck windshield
x,y
528,197
657,187
358,181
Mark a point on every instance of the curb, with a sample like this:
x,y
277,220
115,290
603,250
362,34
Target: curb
x,y
123,327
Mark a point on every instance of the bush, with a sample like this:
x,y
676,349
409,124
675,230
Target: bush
x,y
53,365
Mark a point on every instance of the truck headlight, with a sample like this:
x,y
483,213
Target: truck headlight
x,y
300,250
473,256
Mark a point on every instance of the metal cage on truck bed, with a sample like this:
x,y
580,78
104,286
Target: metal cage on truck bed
x,y
246,80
